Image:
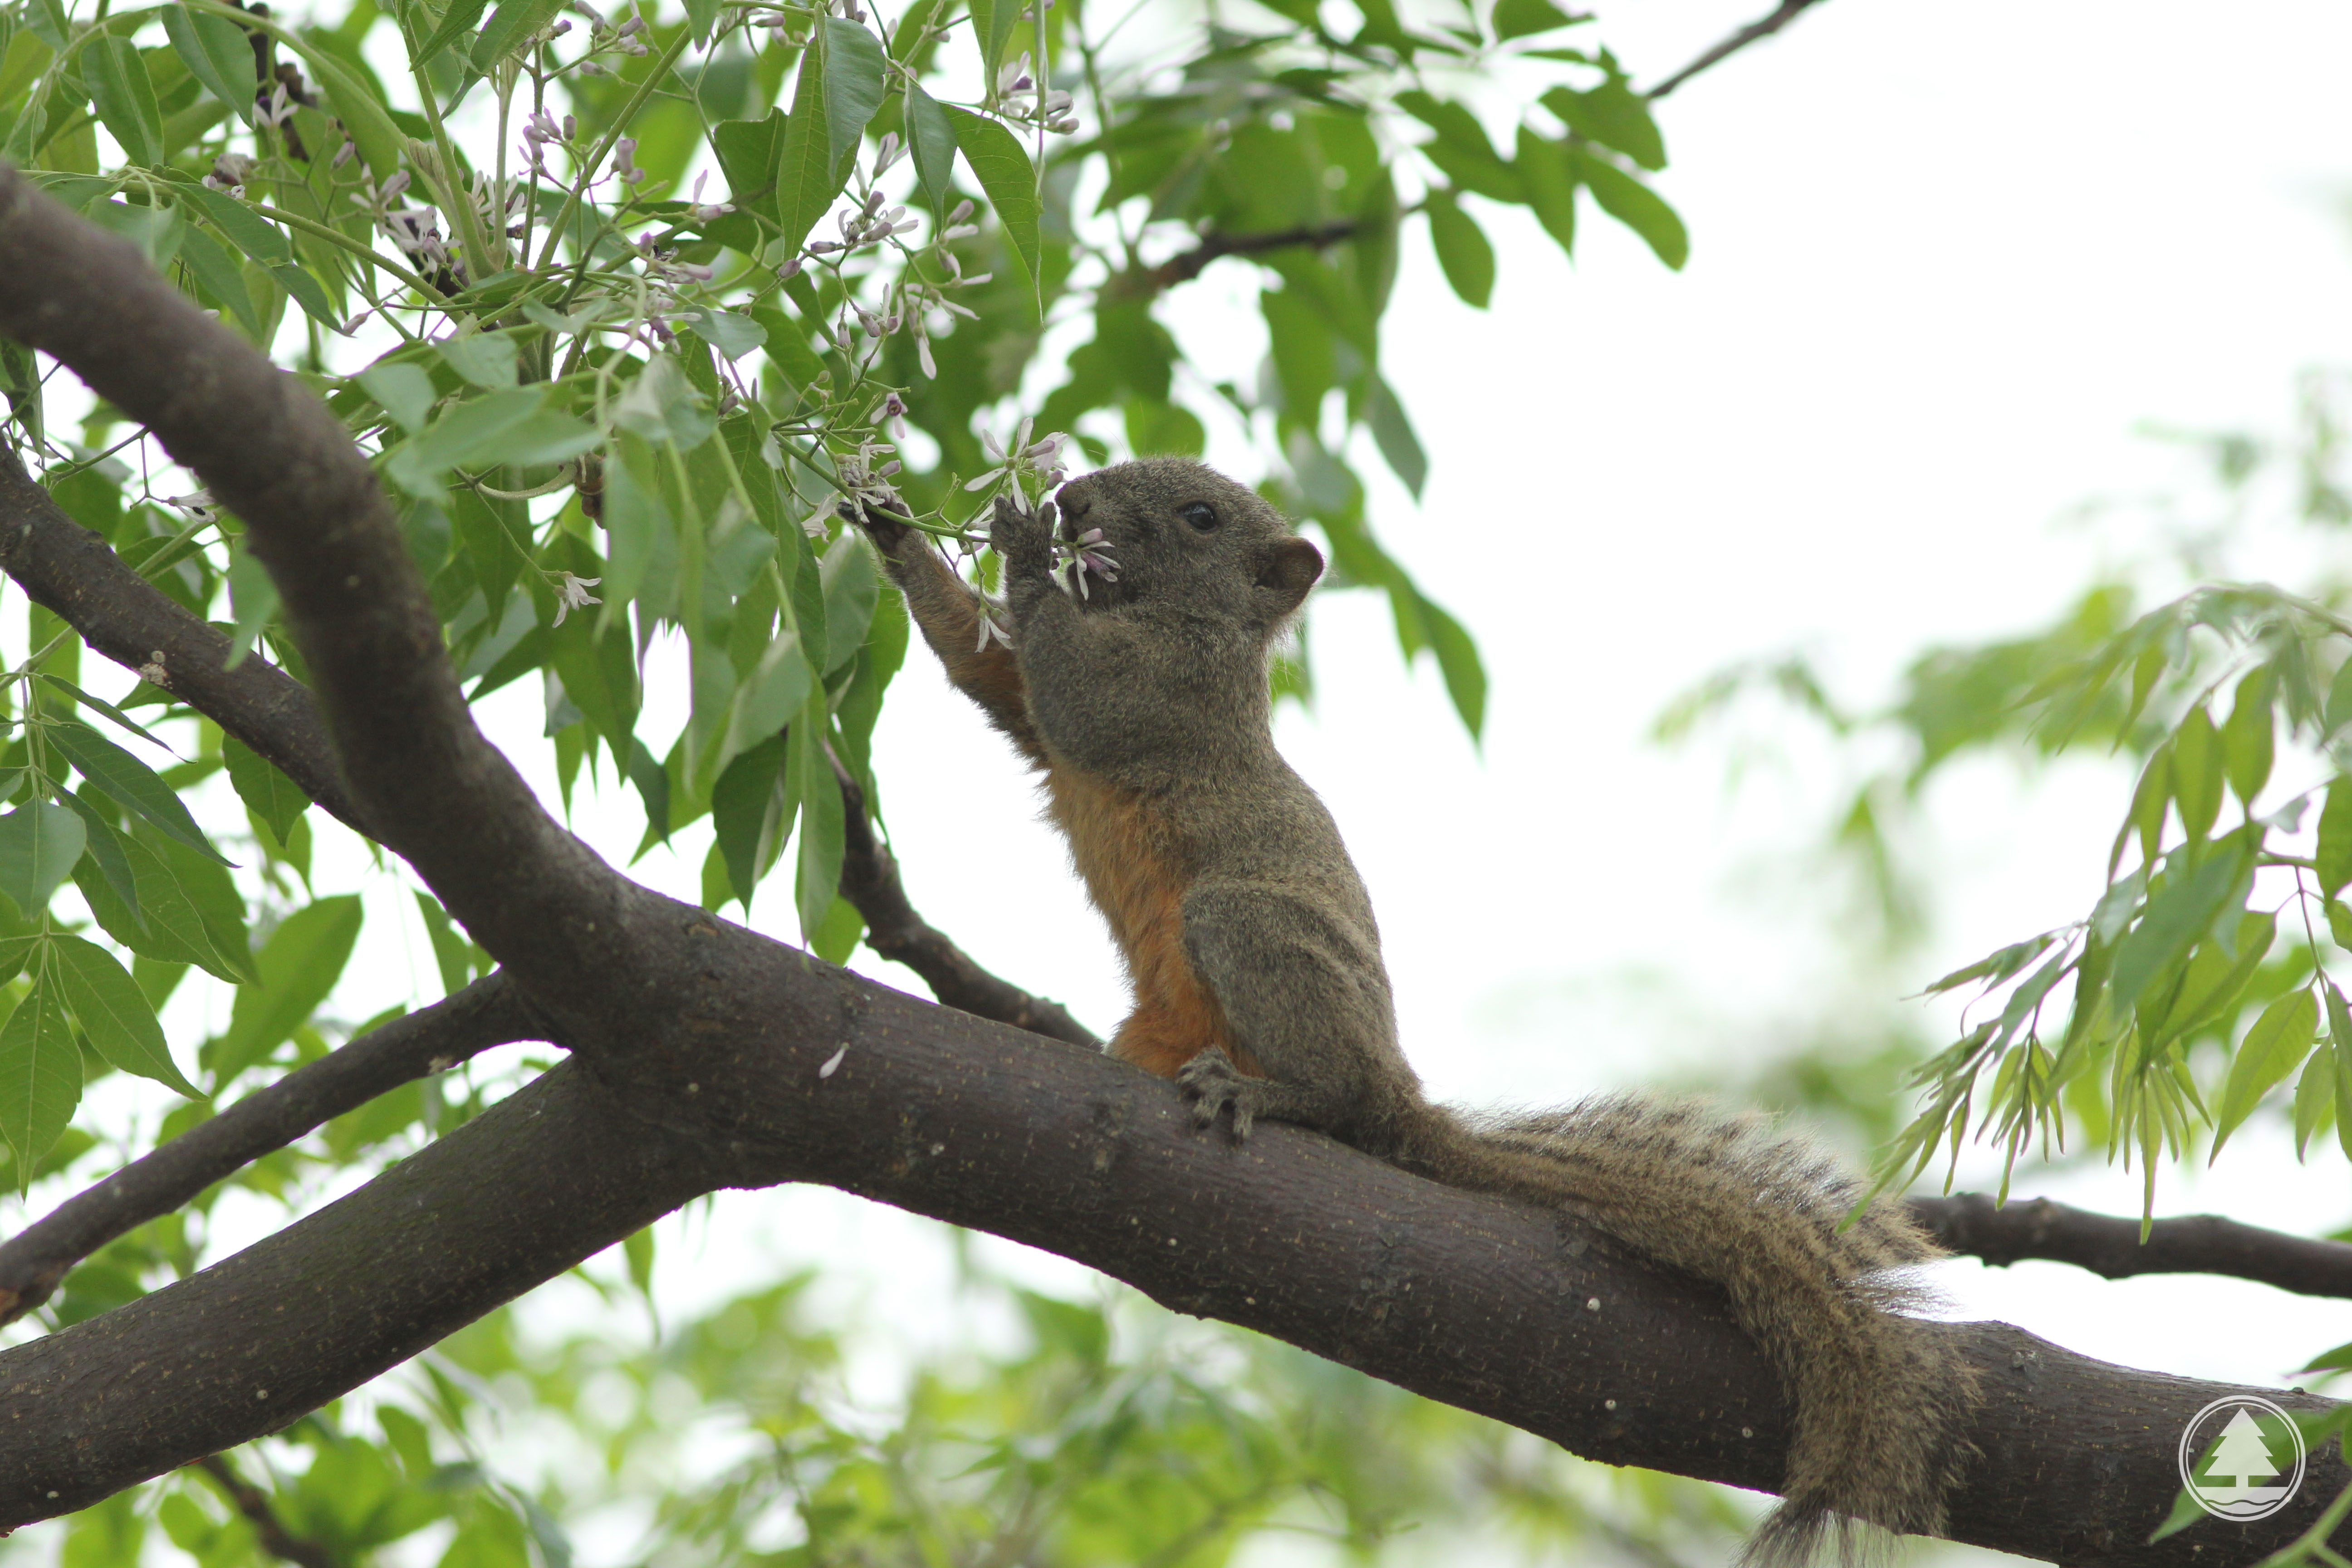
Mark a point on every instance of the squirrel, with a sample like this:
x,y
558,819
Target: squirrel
x,y
1259,987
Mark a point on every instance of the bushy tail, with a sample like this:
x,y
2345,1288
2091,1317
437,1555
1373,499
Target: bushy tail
x,y
1881,1406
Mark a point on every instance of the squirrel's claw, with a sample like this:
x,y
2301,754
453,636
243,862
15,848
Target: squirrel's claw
x,y
1017,534
1213,1082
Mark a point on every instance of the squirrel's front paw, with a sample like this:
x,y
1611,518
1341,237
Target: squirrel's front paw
x,y
1024,539
1211,1082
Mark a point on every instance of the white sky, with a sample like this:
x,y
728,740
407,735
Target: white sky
x,y
1945,262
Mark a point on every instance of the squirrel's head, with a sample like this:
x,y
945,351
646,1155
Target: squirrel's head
x,y
1179,531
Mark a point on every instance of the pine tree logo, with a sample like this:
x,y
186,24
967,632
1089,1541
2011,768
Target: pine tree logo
x,y
2252,1461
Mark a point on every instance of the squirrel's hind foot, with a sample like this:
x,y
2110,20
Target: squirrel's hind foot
x,y
1211,1082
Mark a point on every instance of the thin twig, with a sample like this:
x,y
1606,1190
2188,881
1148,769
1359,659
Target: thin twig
x,y
1184,268
1972,1225
1788,12
489,1012
869,881
253,1503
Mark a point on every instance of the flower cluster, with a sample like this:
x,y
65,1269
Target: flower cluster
x,y
1089,553
866,224
230,170
1025,463
1049,106
539,130
864,483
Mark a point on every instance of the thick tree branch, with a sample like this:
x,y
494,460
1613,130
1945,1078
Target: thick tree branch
x,y
65,568
1763,28
1971,1223
490,1011
547,1178
869,881
426,780
1511,1312
267,1529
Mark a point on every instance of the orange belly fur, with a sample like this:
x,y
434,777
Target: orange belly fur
x,y
1123,852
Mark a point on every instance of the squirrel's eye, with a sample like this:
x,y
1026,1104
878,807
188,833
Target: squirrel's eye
x,y
1199,515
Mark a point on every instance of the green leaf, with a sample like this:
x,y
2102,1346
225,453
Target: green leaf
x,y
1459,663
508,28
245,229
486,359
379,140
131,783
637,1249
2197,773
40,1076
39,843
1392,434
932,141
2338,711
2151,798
1002,168
165,923
1462,251
402,390
470,431
253,598
992,22
455,22
266,793
123,97
733,335
111,1010
2176,918
1638,207
636,517
1614,115
208,887
836,939
1995,967
766,699
750,153
2270,1050
2334,859
299,965
2246,737
2314,1098
104,708
453,954
1517,18
850,588
2186,1510
748,815
809,769
104,851
2339,1035
805,182
852,89
217,53
1548,171
662,404
202,255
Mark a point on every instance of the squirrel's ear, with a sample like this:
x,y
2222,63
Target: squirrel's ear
x,y
1291,569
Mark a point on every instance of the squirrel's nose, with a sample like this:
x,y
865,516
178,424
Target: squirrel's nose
x,y
1074,501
